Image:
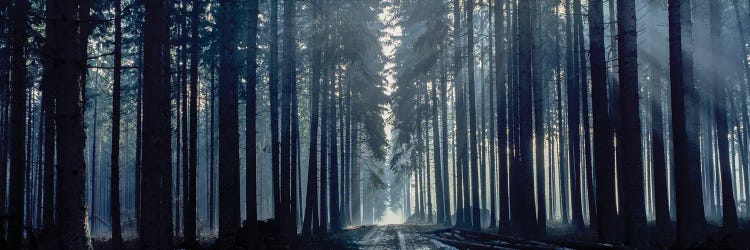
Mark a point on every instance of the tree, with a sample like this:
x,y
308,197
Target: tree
x,y
155,146
190,206
603,137
502,133
229,165
18,84
685,126
522,185
634,213
71,209
476,211
251,78
729,208
311,202
115,154
288,163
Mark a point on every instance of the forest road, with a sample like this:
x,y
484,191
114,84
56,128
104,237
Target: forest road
x,y
386,237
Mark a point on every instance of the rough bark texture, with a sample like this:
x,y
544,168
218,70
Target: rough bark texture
x,y
114,191
631,177
229,158
73,231
603,137
522,185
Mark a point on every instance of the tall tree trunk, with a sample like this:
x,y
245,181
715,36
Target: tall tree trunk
x,y
502,134
439,184
522,184
114,191
574,117
631,177
273,89
475,213
229,167
323,213
444,143
685,126
538,102
251,78
333,205
4,106
191,195
156,134
48,111
287,139
18,45
166,198
603,137
729,207
661,196
138,144
311,202
71,210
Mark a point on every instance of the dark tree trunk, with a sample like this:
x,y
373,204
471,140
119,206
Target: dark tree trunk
x,y
138,145
251,77
634,214
729,207
476,222
538,102
322,225
444,154
439,188
156,134
48,111
574,121
273,89
311,201
18,84
288,221
229,165
334,169
522,184
685,126
114,191
191,195
4,107
73,231
502,134
603,138
661,196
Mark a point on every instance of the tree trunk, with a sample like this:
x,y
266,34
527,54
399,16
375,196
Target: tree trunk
x,y
538,102
334,186
603,141
229,166
634,214
287,139
71,210
18,44
191,195
273,89
114,191
48,111
502,134
439,184
522,185
311,202
476,222
4,107
729,207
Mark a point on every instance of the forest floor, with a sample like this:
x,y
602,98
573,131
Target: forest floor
x,y
423,236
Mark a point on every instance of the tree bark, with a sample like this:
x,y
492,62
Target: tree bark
x,y
631,177
229,165
18,44
603,137
114,191
191,206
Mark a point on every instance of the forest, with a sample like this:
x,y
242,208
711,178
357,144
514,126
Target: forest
x,y
374,124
